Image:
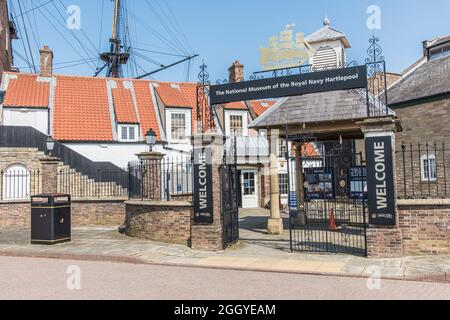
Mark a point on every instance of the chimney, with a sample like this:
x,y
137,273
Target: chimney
x,y
236,72
46,61
425,44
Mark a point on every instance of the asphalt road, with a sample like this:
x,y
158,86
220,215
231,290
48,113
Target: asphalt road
x,y
27,278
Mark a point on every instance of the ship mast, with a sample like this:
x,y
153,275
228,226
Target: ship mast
x,y
120,49
116,57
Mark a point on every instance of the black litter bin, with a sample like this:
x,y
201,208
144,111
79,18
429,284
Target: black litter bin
x,y
50,219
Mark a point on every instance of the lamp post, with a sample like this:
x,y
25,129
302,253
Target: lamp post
x,y
50,145
150,138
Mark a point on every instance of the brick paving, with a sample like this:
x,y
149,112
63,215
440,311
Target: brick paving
x,y
256,251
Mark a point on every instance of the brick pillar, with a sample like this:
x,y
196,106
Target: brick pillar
x,y
236,72
275,222
383,241
210,236
49,174
151,179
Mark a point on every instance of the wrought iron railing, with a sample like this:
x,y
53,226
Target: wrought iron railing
x,y
422,170
162,180
19,185
96,184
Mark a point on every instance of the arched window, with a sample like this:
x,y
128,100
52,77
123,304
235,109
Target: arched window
x,y
16,182
325,58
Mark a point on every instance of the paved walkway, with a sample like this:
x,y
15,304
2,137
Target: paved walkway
x,y
255,251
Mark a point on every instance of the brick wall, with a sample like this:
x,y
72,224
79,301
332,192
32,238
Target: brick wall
x,y
5,47
28,157
15,215
420,127
105,213
422,122
205,238
210,237
165,222
384,243
425,228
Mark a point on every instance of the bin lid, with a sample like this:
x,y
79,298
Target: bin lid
x,y
50,198
51,195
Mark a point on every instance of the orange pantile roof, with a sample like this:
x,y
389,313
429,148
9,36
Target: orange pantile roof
x,y
262,106
123,104
146,107
189,91
171,95
27,91
81,109
81,105
236,106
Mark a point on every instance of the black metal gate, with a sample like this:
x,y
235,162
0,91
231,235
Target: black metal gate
x,y
334,214
230,194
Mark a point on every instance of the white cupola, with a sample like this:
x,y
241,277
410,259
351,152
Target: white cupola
x,y
329,46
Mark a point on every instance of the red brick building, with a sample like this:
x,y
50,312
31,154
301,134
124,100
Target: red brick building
x,y
7,33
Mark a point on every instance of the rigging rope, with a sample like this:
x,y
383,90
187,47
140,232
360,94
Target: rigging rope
x,y
62,36
27,37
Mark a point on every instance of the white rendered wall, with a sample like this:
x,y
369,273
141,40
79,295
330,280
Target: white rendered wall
x,y
36,118
120,154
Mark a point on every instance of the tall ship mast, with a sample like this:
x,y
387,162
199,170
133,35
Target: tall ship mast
x,y
119,52
120,49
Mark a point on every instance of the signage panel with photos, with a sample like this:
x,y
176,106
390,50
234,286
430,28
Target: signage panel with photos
x,y
319,184
358,182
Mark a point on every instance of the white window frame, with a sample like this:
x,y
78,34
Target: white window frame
x,y
428,166
188,115
244,114
127,127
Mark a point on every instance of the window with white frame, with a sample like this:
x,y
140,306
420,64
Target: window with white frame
x,y
128,133
236,123
428,168
179,125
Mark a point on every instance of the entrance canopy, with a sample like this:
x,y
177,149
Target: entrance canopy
x,y
324,113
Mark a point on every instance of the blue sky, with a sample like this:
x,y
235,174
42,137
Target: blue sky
x,y
224,31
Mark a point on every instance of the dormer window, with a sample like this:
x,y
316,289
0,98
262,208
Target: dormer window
x,y
128,133
236,123
179,126
439,52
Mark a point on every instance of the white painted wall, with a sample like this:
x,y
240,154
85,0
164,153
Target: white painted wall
x,y
36,118
121,154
